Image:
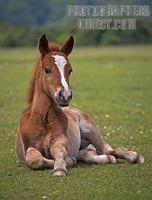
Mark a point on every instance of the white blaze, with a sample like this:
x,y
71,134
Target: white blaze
x,y
60,62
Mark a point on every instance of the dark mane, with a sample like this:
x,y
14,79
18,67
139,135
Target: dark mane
x,y
52,47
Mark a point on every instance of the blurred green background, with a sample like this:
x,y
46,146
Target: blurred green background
x,y
22,22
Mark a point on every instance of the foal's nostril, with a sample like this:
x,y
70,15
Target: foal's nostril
x,y
60,94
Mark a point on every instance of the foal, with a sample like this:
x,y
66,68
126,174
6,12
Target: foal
x,y
51,135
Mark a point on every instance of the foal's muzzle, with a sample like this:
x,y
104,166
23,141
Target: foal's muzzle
x,y
63,97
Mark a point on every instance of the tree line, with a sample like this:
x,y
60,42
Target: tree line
x,y
12,35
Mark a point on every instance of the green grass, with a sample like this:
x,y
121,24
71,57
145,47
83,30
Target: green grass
x,y
113,85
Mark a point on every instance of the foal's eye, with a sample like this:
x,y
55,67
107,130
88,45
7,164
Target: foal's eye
x,y
70,71
47,70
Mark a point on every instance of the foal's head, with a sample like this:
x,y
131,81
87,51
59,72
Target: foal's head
x,y
56,69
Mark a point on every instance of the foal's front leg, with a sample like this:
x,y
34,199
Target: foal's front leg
x,y
59,154
35,160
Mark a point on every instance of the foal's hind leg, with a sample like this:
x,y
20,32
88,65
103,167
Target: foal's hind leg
x,y
124,153
130,156
90,133
35,160
89,155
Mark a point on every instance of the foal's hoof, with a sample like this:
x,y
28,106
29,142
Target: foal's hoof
x,y
59,172
139,159
134,157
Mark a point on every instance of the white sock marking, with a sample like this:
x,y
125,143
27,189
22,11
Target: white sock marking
x,y
60,62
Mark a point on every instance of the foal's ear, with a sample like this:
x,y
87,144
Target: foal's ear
x,y
43,45
68,46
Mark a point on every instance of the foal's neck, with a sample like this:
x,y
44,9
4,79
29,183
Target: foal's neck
x,y
45,111
41,103
44,106
48,114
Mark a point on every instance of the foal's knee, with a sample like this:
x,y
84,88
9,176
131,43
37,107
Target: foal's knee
x,y
34,158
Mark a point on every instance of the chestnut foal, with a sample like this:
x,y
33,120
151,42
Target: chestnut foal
x,y
51,135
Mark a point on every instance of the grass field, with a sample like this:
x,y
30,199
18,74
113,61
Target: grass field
x,y
113,85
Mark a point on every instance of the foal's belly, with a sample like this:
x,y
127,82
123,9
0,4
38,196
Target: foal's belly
x,y
74,138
